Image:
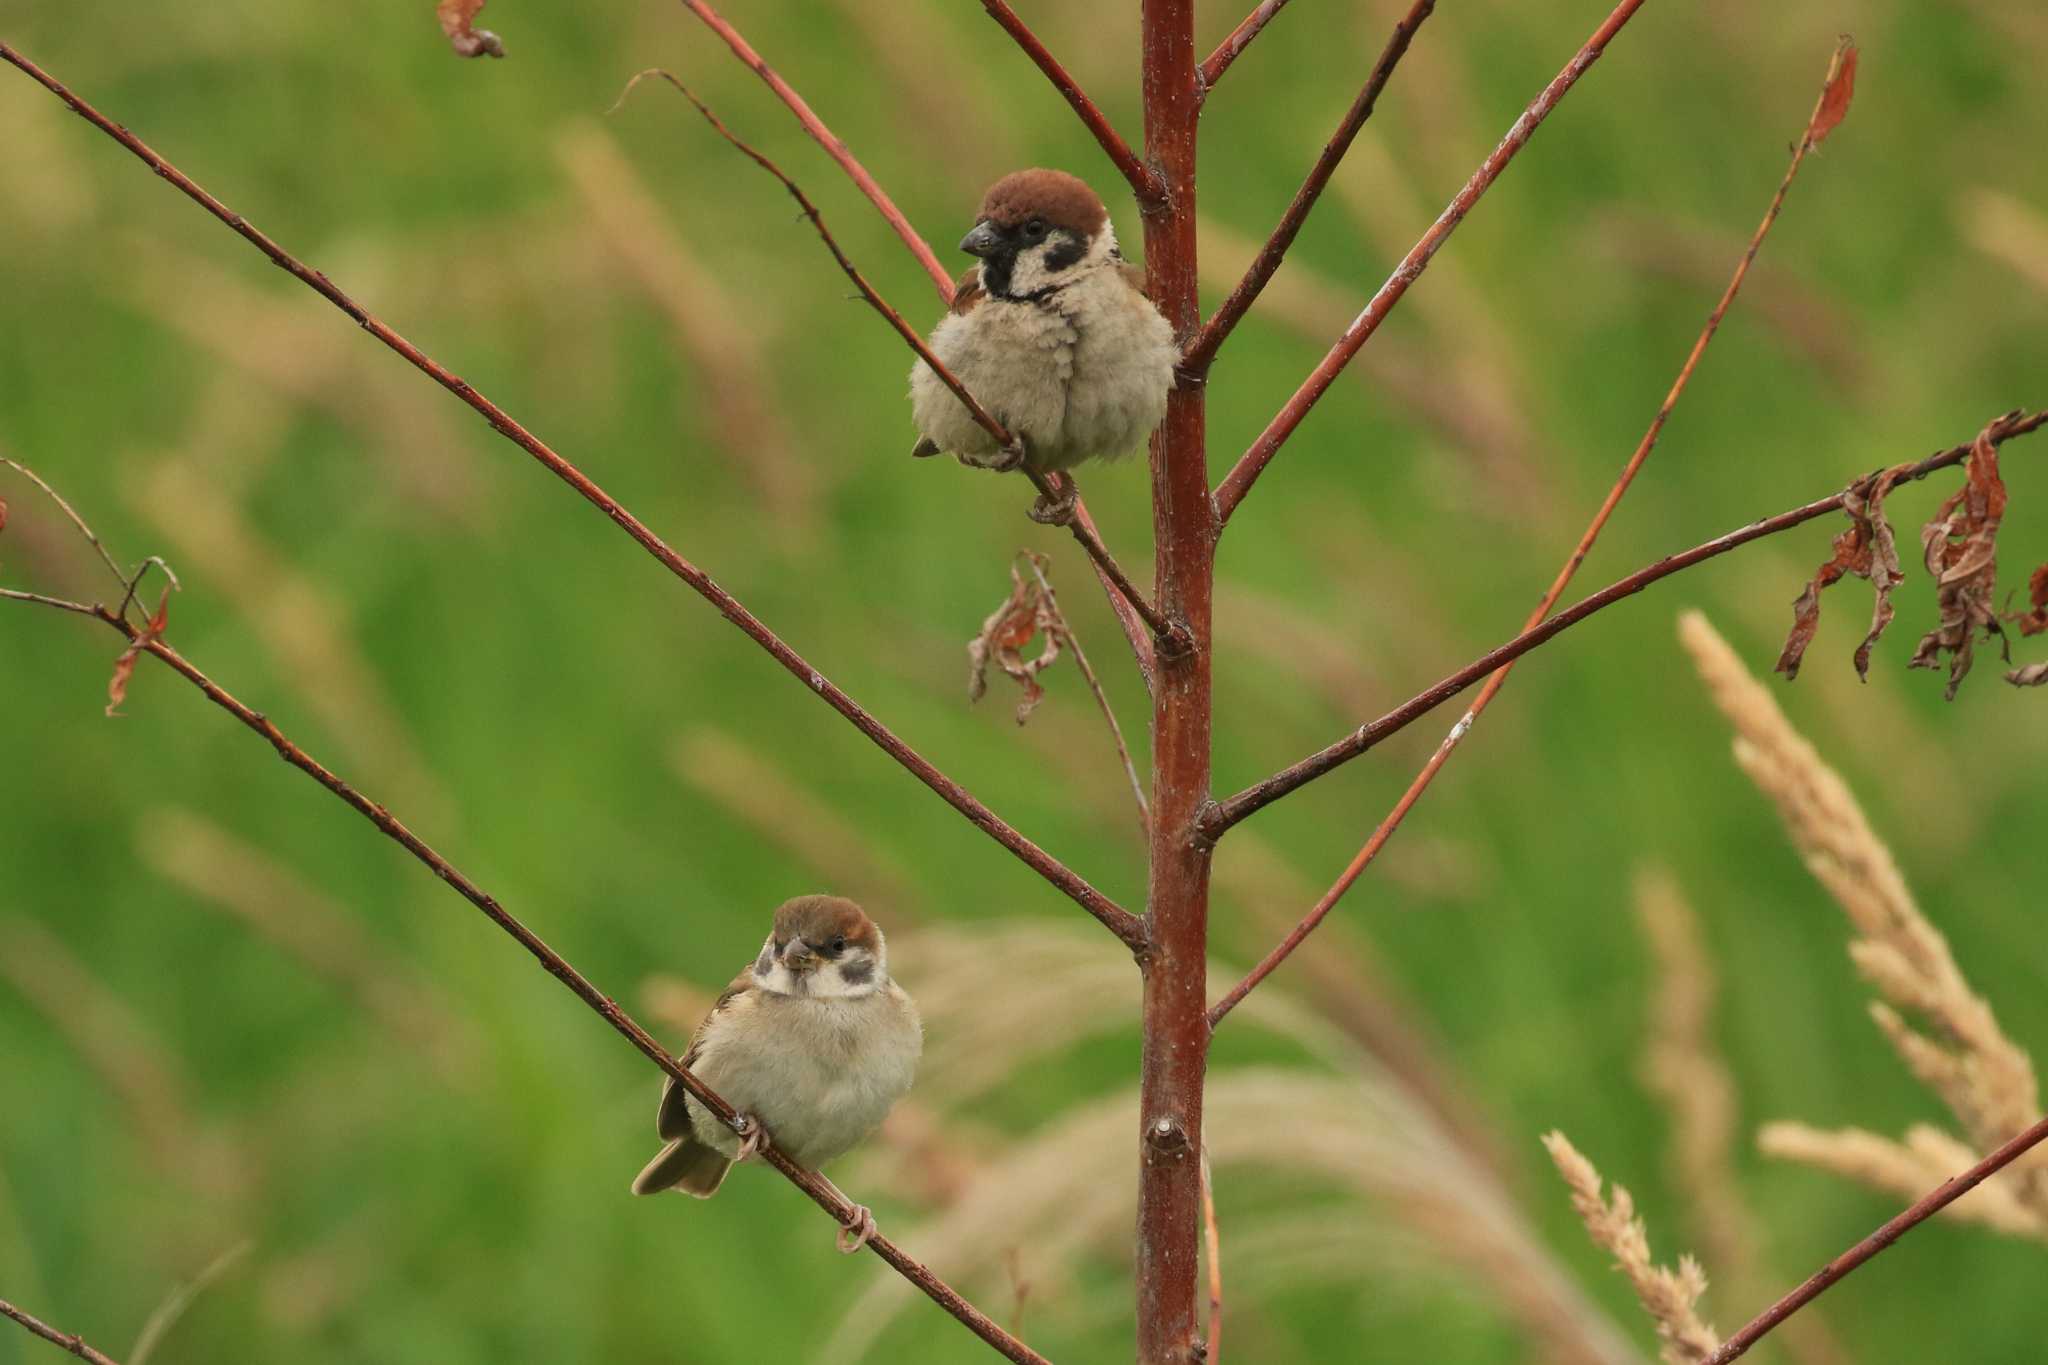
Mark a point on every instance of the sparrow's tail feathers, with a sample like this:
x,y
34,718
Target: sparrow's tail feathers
x,y
687,1165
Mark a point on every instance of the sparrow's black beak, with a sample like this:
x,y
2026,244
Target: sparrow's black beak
x,y
983,241
798,956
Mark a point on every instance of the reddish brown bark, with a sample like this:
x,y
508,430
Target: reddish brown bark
x,y
1176,1021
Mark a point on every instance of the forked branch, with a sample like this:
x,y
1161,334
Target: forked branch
x,y
1828,111
1232,47
1127,927
812,1184
1144,184
1228,812
1201,352
830,141
1255,459
1083,529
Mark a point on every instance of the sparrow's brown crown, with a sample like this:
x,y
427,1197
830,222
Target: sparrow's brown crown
x,y
822,920
1060,199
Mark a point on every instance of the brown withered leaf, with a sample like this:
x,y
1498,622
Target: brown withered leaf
x,y
1866,549
1961,550
2035,621
458,18
2031,675
1835,94
124,667
1025,613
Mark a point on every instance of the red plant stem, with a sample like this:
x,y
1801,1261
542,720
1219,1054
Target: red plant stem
x,y
1929,1204
68,1340
1231,48
1201,352
1224,814
1385,831
1175,1005
1126,926
1083,529
812,1184
1249,466
1144,183
830,141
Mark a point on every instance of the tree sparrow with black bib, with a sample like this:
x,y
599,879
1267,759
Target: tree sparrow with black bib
x,y
1052,333
813,1043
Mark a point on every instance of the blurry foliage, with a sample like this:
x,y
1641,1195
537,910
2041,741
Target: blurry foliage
x,y
421,607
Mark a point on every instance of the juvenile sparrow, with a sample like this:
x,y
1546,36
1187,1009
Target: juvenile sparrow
x,y
813,1042
1052,333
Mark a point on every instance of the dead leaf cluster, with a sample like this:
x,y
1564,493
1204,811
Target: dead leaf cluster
x,y
1028,613
1959,546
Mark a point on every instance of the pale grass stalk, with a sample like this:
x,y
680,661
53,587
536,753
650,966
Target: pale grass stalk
x,y
1986,1080
1353,1127
295,916
2008,231
305,627
1670,1297
719,334
1907,1169
785,812
269,336
180,1299
124,1050
1682,1067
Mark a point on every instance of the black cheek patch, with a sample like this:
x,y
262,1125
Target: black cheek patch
x,y
995,272
1067,250
857,973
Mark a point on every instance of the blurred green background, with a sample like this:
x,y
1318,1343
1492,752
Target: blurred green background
x,y
233,1016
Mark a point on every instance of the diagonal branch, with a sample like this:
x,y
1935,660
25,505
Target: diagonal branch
x,y
1841,69
1249,465
1126,926
1223,814
1231,48
1933,1202
1145,184
811,1183
1201,352
70,1341
1083,528
830,141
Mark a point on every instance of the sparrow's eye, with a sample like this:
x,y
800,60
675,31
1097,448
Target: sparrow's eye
x,y
1035,228
838,945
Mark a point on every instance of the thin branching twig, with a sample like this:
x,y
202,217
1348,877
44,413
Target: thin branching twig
x,y
1126,926
1843,62
812,1184
1230,810
1144,182
1249,465
70,1341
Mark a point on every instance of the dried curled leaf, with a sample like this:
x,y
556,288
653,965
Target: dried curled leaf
x,y
1835,94
124,667
1025,613
1961,550
457,19
2032,675
1866,549
2035,621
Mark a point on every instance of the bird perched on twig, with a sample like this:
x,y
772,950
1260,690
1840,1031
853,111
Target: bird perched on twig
x,y
813,1043
1051,333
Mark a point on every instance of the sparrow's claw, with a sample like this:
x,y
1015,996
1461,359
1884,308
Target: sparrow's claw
x,y
860,1226
756,1138
1057,508
1001,461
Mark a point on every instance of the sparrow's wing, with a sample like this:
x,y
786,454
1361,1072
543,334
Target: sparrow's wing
x,y
672,1120
967,291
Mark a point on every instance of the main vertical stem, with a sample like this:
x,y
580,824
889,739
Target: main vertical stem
x,y
1184,524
